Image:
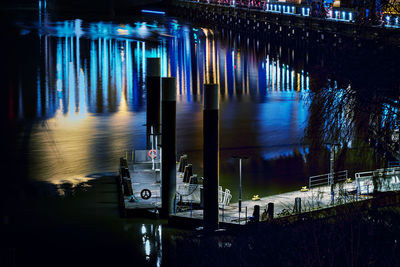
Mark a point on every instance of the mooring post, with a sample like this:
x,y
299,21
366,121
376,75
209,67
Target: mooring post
x,y
357,193
153,91
174,204
240,185
211,156
270,211
256,213
246,215
168,148
297,205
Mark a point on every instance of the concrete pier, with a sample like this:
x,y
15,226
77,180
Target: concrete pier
x,y
168,146
153,87
211,156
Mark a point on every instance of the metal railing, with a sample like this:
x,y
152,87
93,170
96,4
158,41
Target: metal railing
x,y
393,164
327,179
340,14
387,179
142,156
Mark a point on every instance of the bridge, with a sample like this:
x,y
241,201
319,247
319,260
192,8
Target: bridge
x,y
289,21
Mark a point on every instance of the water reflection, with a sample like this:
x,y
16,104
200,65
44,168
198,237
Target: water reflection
x,y
90,94
149,239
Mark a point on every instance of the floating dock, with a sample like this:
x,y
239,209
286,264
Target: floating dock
x,y
284,204
140,189
140,185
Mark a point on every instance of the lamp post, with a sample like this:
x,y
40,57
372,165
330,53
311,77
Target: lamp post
x,y
396,139
332,162
240,180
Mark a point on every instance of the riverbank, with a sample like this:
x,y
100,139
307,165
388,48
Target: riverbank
x,y
353,235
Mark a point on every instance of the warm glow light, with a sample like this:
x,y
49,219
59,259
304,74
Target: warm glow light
x,y
122,31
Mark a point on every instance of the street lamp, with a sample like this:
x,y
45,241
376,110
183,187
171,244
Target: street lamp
x,y
332,147
396,139
240,180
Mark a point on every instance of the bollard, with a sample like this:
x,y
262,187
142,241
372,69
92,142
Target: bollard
x,y
201,197
333,198
211,156
256,213
191,208
193,179
182,163
168,159
188,172
153,91
175,204
270,211
127,174
297,205
246,215
357,193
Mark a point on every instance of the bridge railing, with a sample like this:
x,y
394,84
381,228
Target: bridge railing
x,y
340,14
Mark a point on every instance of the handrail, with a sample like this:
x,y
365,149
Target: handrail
x,y
339,14
327,178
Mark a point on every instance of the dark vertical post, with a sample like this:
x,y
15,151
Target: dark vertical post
x,y
211,156
153,87
256,213
270,211
168,157
297,205
240,185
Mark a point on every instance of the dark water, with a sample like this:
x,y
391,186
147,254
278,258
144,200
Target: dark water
x,y
79,90
84,96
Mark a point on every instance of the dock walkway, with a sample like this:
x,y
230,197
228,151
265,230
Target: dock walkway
x,y
316,198
329,193
144,177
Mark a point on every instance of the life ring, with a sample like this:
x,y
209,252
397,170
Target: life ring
x,y
152,153
145,194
